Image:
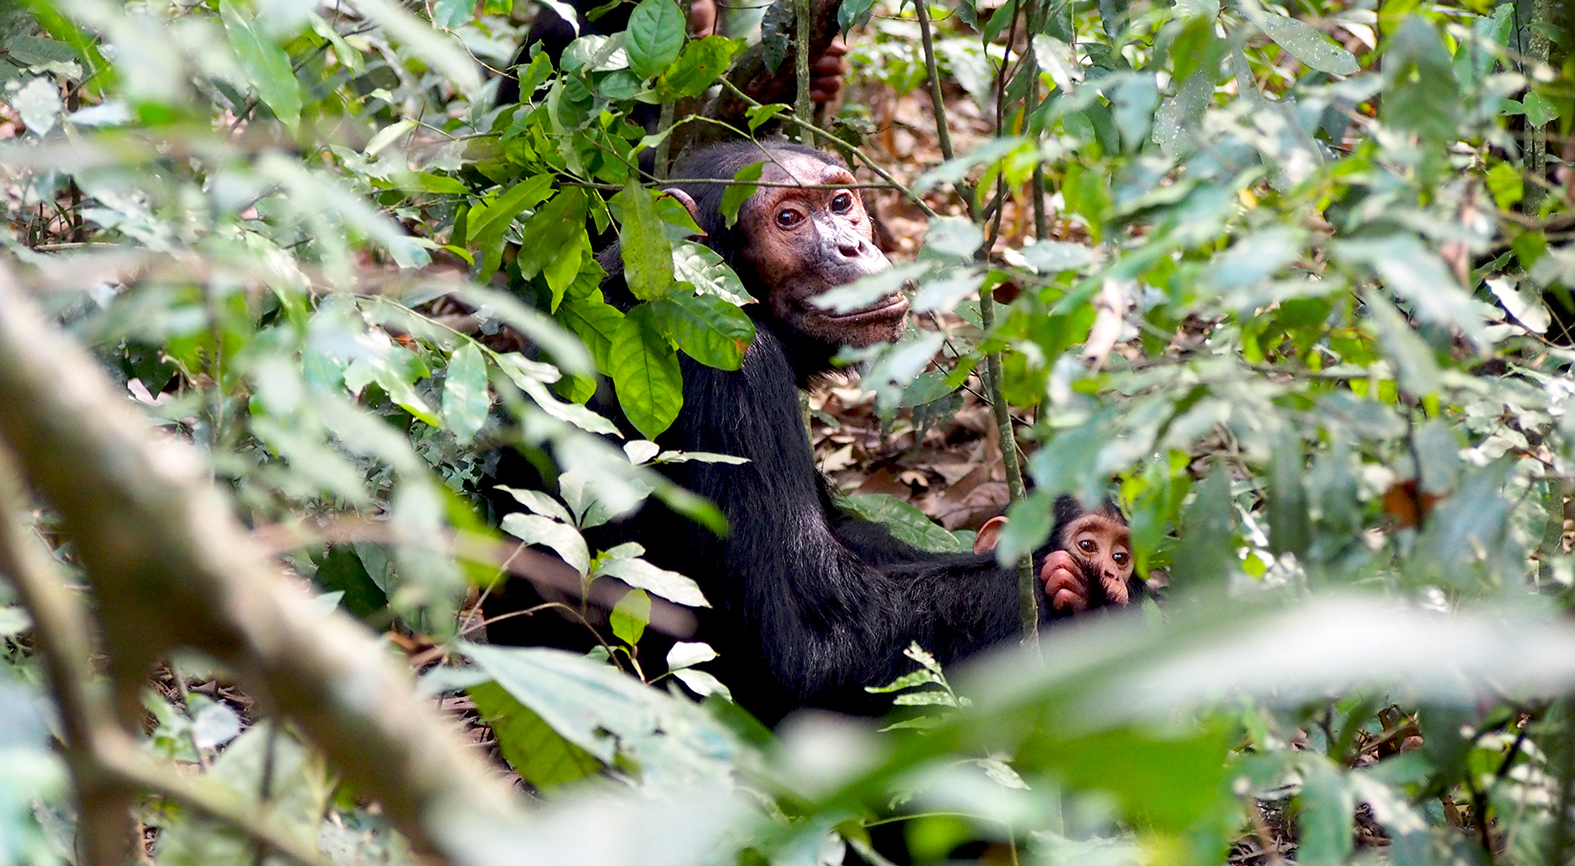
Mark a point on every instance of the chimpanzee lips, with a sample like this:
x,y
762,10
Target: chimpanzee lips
x,y
891,306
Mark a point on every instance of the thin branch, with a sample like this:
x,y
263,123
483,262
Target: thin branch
x,y
173,568
61,631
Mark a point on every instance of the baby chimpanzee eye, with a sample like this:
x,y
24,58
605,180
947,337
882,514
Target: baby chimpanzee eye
x,y
842,203
787,218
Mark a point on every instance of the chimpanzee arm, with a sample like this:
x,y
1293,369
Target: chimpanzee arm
x,y
807,617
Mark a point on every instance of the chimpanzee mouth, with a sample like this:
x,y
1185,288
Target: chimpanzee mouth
x,y
890,306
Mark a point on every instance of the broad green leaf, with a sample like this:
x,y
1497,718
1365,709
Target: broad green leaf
x,y
596,322
702,61
1328,814
443,53
640,574
539,503
1421,93
1413,357
654,36
647,254
1053,257
566,351
701,267
1307,44
465,399
706,327
1540,110
685,654
489,219
564,539
564,270
954,237
906,523
341,570
702,683
645,373
927,388
1417,274
741,190
579,415
1028,525
553,228
267,65
401,391
630,616
610,715
1506,185
1289,531
758,115
539,754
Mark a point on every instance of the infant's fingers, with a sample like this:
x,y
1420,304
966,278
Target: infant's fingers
x,y
1066,599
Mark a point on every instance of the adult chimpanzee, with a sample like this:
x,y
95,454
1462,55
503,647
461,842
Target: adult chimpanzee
x,y
810,604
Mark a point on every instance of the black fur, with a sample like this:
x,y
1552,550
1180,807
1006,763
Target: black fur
x,y
810,604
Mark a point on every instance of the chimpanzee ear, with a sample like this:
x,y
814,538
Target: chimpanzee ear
x,y
989,534
688,202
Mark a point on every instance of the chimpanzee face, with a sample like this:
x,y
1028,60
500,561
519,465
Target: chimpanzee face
x,y
803,241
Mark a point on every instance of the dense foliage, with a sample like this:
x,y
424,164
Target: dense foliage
x,y
1293,282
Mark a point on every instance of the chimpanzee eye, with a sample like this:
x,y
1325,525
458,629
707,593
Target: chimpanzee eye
x,y
788,218
842,203
1086,545
1121,557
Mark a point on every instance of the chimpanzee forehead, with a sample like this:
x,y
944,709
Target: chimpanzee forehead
x,y
808,170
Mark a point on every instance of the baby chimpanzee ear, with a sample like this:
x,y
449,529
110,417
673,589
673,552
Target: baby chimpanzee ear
x,y
989,534
687,201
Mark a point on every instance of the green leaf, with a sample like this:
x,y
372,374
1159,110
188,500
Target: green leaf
x,y
640,574
1540,110
596,322
630,616
701,63
1413,357
675,744
654,36
465,400
1028,525
539,754
401,391
706,327
645,373
551,230
491,217
1289,530
907,523
742,189
701,267
759,114
1327,814
487,221
564,539
564,270
341,570
443,53
1505,183
1421,93
647,254
1308,44
267,65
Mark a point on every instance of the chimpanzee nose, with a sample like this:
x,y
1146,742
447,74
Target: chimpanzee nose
x,y
852,247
